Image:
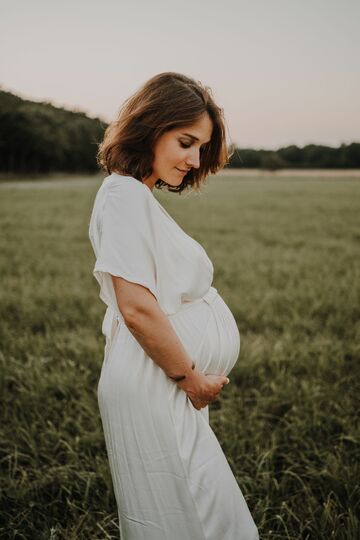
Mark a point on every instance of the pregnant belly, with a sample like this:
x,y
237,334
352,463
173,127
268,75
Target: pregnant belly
x,y
209,334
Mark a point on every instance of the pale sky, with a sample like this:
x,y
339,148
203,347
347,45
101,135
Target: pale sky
x,y
284,71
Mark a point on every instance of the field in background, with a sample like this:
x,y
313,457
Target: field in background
x,y
287,261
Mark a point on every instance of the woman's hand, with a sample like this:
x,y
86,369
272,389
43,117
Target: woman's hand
x,y
202,389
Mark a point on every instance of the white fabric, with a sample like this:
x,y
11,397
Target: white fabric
x,y
171,478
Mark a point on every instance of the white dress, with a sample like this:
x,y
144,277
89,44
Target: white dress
x,y
170,476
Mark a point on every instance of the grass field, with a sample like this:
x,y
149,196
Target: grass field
x,y
287,261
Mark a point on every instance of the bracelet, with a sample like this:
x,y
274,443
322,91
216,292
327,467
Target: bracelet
x,y
181,377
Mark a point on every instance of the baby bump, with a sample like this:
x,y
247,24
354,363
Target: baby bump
x,y
209,334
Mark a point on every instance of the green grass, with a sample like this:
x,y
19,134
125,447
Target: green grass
x,y
287,261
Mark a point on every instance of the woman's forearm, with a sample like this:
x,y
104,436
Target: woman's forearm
x,y
154,332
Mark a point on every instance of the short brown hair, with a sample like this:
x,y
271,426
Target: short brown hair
x,y
166,101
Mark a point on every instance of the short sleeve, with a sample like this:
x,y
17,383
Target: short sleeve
x,y
127,241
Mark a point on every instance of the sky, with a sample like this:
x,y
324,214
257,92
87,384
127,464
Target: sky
x,y
284,71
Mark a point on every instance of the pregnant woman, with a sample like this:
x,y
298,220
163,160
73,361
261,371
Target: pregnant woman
x,y
171,340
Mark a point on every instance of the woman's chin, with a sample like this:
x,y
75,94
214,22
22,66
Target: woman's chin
x,y
173,183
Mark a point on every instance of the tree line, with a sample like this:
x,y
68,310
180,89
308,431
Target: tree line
x,y
40,138
311,156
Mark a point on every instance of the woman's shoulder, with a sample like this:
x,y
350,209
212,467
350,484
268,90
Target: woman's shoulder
x,y
126,184
128,196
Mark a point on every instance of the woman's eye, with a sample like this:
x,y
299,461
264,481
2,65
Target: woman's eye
x,y
184,145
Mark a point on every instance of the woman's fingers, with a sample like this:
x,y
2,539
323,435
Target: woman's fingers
x,y
198,404
208,393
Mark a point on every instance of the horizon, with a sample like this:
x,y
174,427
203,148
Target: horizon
x,y
284,74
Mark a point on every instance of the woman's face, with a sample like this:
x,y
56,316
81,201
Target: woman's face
x,y
177,151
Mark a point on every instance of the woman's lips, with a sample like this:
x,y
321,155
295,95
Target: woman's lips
x,y
180,170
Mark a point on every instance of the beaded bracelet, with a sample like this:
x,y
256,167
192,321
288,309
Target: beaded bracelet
x,y
181,377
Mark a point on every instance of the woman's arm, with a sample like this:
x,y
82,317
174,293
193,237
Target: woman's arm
x,y
154,332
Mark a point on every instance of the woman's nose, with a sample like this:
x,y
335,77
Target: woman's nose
x,y
193,160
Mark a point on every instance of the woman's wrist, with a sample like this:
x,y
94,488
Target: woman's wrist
x,y
191,379
186,374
